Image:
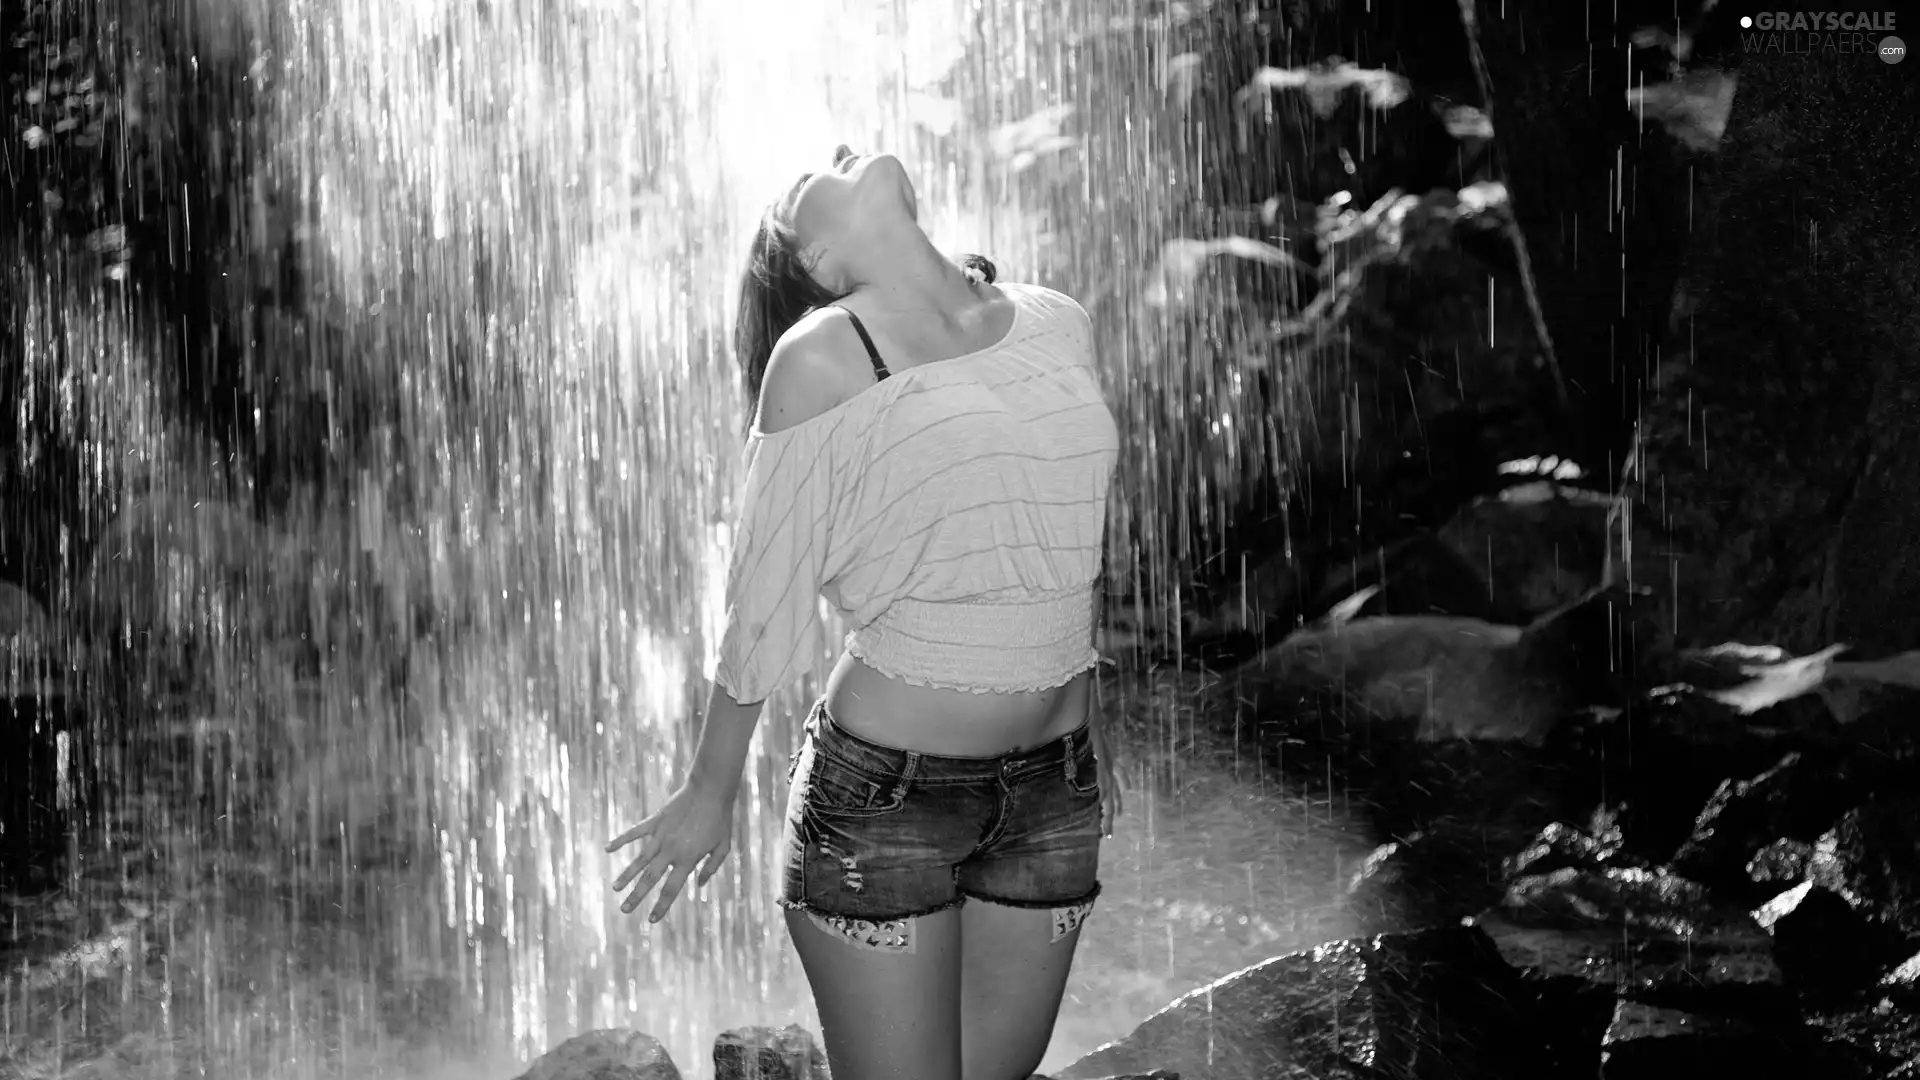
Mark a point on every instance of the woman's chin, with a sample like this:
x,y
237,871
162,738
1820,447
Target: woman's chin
x,y
885,173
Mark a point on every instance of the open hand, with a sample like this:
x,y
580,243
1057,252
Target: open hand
x,y
696,824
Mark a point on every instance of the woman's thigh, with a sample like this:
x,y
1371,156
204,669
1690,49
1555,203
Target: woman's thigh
x,y
885,1012
1013,972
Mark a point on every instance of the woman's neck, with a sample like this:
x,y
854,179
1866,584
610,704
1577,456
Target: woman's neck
x,y
907,274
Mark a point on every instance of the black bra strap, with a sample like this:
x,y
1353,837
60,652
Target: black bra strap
x,y
879,366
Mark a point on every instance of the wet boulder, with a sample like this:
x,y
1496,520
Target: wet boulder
x,y
1444,677
170,563
1780,864
1560,846
1649,1041
1871,857
768,1053
1438,1003
1825,946
1875,1039
1797,799
1538,545
606,1054
1632,930
24,625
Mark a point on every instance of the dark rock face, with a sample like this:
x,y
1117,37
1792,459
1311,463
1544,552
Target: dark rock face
x,y
1825,946
1438,1003
1792,516
607,1054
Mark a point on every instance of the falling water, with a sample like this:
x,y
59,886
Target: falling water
x,y
374,839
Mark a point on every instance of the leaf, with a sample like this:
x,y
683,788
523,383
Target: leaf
x,y
1324,85
1733,650
1030,136
1777,682
1179,78
1183,258
1693,108
1467,122
1343,612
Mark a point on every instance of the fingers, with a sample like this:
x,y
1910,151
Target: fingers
x,y
649,853
643,829
669,892
648,879
654,866
715,859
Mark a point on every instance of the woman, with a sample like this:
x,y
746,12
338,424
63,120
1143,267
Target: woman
x,y
932,454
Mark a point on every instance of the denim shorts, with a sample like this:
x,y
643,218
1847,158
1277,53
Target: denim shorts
x,y
877,834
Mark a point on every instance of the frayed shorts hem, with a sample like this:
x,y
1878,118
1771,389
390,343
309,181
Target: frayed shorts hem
x,y
805,908
1036,905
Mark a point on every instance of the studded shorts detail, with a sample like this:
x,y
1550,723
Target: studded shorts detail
x,y
878,836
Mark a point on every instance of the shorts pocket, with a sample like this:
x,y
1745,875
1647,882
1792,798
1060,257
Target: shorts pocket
x,y
1083,770
837,788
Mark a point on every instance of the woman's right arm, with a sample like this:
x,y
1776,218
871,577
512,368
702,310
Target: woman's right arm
x,y
773,590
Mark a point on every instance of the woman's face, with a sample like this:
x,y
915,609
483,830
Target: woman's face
x,y
859,190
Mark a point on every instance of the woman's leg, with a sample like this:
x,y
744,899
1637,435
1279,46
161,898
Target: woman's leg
x,y
888,994
1013,970
1029,886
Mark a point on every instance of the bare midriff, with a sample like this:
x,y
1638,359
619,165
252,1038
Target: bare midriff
x,y
951,723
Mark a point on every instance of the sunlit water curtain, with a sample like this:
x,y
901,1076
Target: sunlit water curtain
x,y
535,212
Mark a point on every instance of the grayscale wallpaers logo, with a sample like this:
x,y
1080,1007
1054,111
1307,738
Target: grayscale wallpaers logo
x,y
1822,31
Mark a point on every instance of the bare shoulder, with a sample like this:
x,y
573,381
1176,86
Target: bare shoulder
x,y
816,366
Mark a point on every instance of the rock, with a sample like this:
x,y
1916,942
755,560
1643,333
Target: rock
x,y
1825,946
1561,846
1420,575
1806,539
1660,761
1539,545
1646,1041
1780,863
1872,859
1877,1039
1434,1003
33,663
24,626
1643,932
1797,799
1446,677
768,1053
606,1054
164,556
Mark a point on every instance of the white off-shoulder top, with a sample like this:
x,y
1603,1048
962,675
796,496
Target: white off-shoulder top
x,y
953,513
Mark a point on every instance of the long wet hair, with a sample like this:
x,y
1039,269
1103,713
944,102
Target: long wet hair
x,y
778,290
